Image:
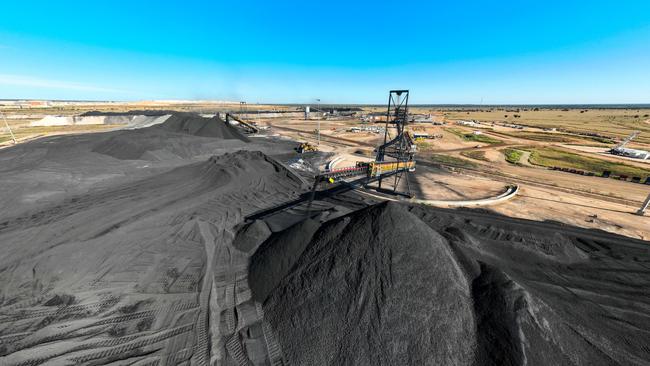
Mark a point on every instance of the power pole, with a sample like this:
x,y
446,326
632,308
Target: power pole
x,y
644,206
318,108
9,128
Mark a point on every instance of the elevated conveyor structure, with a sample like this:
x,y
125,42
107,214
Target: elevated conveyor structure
x,y
395,156
401,148
626,141
375,169
248,127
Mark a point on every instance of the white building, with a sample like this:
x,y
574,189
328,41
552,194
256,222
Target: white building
x,y
632,153
467,123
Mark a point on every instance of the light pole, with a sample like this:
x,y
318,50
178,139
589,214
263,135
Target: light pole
x,y
319,117
9,128
644,207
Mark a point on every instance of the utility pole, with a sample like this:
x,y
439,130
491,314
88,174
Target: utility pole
x,y
644,206
318,109
9,128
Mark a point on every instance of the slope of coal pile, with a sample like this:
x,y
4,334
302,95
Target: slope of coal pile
x,y
178,137
573,296
393,285
46,171
273,260
376,287
132,274
193,124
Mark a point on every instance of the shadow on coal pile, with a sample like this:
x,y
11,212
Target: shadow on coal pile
x,y
396,285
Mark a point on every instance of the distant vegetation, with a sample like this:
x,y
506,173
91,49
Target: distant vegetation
x,y
512,156
550,157
452,160
609,122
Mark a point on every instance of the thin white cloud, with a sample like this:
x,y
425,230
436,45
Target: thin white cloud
x,y
22,80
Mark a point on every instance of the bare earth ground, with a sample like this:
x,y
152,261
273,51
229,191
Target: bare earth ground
x,y
546,195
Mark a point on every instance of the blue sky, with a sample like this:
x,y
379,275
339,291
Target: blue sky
x,y
338,51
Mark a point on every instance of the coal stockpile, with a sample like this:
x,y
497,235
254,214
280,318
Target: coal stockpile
x,y
136,273
178,244
376,287
196,125
391,285
173,137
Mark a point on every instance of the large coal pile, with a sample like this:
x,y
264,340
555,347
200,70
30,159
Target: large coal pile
x,y
125,274
193,124
377,287
179,136
391,285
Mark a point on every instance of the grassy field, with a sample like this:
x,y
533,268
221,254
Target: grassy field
x,y
550,157
560,137
476,155
512,156
5,138
452,160
474,138
424,145
608,122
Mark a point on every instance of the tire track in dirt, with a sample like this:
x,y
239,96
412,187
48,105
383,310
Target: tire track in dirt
x,y
148,324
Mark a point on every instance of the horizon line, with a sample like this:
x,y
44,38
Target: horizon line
x,y
215,101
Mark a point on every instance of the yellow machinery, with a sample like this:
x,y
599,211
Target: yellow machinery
x,y
395,157
306,147
372,170
376,168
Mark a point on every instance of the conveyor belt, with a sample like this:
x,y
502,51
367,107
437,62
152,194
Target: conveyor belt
x,y
373,169
340,186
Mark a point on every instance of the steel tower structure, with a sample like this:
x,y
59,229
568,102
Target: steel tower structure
x,y
401,148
